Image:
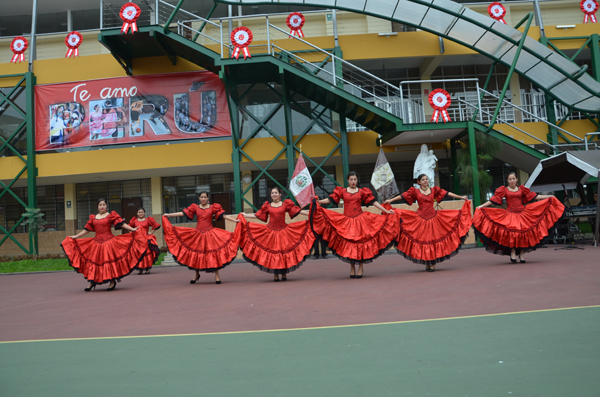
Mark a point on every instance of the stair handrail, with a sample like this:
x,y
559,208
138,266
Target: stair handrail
x,y
337,59
182,25
440,81
332,74
533,115
554,149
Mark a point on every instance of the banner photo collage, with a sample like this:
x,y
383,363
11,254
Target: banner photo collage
x,y
136,109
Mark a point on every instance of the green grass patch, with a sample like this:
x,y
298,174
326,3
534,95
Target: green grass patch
x,y
29,265
44,265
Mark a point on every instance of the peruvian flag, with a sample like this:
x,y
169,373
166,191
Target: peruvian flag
x,y
301,184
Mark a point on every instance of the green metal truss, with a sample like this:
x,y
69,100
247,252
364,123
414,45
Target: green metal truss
x,y
591,42
290,146
26,80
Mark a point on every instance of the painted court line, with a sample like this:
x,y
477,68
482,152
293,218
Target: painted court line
x,y
301,329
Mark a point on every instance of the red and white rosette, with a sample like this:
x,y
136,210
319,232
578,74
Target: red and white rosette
x,y
589,8
18,47
440,101
129,13
497,11
295,21
73,41
241,38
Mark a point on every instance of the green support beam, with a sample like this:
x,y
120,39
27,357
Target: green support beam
x,y
552,136
236,157
344,148
289,128
512,68
454,164
474,165
32,170
594,46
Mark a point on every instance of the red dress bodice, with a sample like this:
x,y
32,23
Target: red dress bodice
x,y
352,201
425,201
276,215
102,226
144,225
204,216
515,201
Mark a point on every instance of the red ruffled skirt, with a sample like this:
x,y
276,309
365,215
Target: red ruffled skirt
x,y
353,240
431,241
205,251
501,230
102,262
275,251
151,253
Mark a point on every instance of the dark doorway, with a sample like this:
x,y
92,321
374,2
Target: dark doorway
x,y
129,207
225,200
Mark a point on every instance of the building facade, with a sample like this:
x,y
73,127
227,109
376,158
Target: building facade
x,y
383,69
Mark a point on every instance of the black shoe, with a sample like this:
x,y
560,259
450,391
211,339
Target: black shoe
x,y
276,279
432,268
148,271
359,276
315,256
513,260
324,256
352,276
113,287
140,271
88,289
523,261
194,280
283,278
218,282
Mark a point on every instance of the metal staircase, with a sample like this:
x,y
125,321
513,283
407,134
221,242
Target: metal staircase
x,y
276,57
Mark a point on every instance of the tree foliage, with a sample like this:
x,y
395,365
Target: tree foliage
x,y
486,146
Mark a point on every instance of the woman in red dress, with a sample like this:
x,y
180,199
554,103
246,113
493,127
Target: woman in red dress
x,y
105,258
428,236
519,227
276,247
205,248
147,227
354,236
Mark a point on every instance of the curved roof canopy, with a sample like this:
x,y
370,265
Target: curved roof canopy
x,y
552,72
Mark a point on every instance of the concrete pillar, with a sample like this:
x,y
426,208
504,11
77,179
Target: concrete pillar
x,y
515,90
522,176
425,71
69,21
157,206
70,209
339,174
250,194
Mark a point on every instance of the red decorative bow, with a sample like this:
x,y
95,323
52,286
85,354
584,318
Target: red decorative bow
x,y
295,21
241,38
589,8
440,101
73,41
497,11
130,13
18,47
